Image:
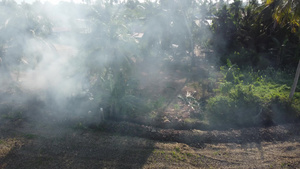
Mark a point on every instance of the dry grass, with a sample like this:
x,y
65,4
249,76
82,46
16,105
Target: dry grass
x,y
6,145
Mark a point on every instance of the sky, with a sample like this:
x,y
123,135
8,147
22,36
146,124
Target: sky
x,y
52,1
57,1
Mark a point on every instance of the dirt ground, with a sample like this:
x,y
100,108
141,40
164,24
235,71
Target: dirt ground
x,y
42,144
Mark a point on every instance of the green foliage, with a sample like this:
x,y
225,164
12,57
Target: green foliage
x,y
13,115
110,53
242,58
133,106
158,103
247,98
248,35
231,72
235,109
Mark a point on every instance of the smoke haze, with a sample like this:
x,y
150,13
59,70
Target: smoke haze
x,y
80,58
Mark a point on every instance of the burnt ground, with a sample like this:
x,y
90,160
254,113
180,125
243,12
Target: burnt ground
x,y
46,144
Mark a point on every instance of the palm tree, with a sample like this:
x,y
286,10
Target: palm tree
x,y
285,12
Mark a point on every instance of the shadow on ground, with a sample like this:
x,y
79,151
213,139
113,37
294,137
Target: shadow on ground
x,y
29,138
55,147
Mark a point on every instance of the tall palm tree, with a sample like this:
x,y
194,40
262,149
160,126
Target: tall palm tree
x,y
286,12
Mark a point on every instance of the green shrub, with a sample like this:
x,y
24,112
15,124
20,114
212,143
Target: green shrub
x,y
237,108
220,110
247,98
242,57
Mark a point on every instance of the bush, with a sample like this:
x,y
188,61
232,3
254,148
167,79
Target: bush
x,y
247,98
242,57
236,109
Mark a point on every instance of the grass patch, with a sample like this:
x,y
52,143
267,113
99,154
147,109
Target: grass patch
x,y
9,144
190,120
189,154
159,152
177,149
176,156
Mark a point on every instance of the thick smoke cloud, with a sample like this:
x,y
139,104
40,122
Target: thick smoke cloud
x,y
62,53
39,51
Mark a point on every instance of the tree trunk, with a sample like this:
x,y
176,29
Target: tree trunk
x,y
295,81
191,51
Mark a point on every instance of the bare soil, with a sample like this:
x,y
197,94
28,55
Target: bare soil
x,y
47,144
